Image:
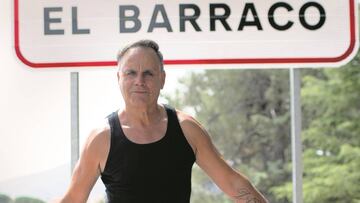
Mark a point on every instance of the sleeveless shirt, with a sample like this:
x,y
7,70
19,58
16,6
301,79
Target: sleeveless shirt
x,y
158,172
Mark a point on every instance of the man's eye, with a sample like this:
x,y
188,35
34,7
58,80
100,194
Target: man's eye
x,y
130,73
148,73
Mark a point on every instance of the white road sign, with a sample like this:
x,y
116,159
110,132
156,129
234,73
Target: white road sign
x,y
266,33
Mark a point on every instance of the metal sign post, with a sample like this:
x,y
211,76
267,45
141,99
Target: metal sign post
x,y
295,88
74,81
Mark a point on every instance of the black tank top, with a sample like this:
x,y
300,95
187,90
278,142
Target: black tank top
x,y
158,172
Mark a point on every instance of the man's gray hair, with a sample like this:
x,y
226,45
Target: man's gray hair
x,y
144,44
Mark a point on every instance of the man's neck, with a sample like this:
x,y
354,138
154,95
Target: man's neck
x,y
142,117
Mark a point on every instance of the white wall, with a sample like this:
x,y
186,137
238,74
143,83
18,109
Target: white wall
x,y
34,110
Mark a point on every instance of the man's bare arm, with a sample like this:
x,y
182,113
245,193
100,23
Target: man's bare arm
x,y
244,195
88,168
233,183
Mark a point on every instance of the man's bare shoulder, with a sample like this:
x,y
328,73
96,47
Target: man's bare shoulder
x,y
97,145
184,117
187,122
99,135
194,132
101,127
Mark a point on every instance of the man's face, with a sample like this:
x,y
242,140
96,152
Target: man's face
x,y
140,78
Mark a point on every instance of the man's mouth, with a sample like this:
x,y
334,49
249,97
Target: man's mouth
x,y
139,91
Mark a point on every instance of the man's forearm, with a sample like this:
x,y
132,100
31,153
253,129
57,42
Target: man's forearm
x,y
247,195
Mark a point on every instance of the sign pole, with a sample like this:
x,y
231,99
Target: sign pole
x,y
74,77
295,88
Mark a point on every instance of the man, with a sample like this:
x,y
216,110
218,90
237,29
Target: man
x,y
145,152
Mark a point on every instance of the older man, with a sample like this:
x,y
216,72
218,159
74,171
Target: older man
x,y
145,152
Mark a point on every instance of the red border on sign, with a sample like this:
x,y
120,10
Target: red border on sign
x,y
194,61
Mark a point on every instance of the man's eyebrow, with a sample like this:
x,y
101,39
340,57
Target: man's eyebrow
x,y
127,69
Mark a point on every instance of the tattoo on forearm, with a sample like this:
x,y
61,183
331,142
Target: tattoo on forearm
x,y
246,195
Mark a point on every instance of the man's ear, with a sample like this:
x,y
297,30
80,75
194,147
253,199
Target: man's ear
x,y
163,77
118,75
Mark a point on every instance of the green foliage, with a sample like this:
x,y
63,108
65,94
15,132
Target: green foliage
x,y
336,178
331,136
27,200
5,199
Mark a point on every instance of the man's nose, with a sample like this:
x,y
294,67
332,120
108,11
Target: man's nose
x,y
140,79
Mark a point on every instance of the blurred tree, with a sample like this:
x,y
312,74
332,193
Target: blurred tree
x,y
331,136
5,199
27,200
